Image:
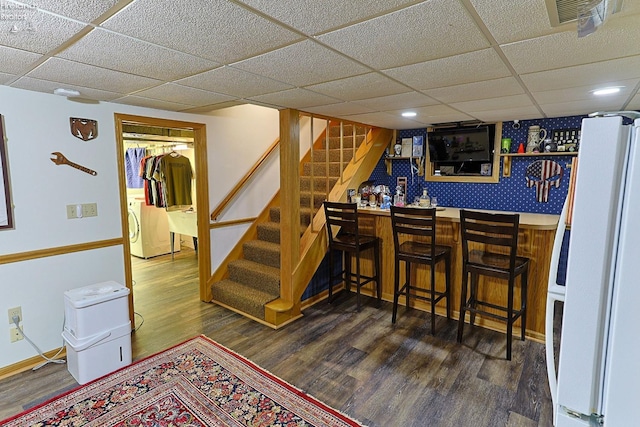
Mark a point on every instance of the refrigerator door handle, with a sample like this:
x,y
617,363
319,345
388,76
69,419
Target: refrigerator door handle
x,y
555,293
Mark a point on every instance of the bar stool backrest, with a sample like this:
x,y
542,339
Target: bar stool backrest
x,y
492,230
343,216
420,223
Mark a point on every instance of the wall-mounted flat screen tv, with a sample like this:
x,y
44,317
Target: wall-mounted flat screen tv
x,y
458,145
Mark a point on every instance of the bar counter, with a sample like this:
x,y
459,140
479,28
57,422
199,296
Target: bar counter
x,y
535,241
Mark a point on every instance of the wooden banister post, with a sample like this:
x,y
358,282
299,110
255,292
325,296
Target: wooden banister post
x,y
289,200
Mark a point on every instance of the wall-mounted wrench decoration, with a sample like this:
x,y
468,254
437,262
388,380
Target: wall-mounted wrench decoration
x,y
59,159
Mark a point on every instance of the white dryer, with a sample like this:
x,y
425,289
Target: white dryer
x,y
148,230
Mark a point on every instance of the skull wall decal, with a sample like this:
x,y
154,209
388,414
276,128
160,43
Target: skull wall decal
x,y
543,174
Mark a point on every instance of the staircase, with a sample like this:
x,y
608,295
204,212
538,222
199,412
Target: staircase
x,y
254,279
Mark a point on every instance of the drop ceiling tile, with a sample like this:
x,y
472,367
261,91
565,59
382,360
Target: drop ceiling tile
x,y
428,30
509,23
472,91
6,78
216,29
459,69
616,39
584,92
231,81
518,113
140,101
37,32
172,92
210,109
82,10
504,102
635,103
21,61
75,73
313,16
399,101
583,107
385,120
294,98
434,114
46,86
359,87
338,110
109,50
302,64
581,75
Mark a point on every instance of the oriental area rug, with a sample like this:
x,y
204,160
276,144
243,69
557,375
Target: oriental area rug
x,y
196,383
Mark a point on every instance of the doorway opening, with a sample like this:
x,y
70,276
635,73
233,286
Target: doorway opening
x,y
164,200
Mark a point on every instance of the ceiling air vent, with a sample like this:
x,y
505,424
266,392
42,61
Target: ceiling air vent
x,y
565,11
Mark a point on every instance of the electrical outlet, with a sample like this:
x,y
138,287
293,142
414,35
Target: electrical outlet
x,y
15,335
16,311
71,212
90,209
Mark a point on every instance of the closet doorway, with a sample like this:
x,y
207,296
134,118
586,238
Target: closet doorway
x,y
152,216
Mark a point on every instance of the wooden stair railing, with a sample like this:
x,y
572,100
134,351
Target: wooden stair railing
x,y
240,185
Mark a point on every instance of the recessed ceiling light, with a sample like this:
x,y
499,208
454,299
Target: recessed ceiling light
x,y
607,91
66,92
409,114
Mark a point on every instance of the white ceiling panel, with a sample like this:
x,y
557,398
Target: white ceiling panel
x,y
617,39
583,107
231,81
585,93
519,113
109,50
75,73
215,29
479,90
386,120
211,109
184,95
6,78
523,20
48,87
152,103
402,100
505,102
82,10
598,73
429,30
302,64
21,61
440,114
294,98
36,31
359,87
635,103
465,68
313,17
344,108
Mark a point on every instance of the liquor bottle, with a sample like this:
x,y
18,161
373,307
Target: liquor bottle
x,y
425,201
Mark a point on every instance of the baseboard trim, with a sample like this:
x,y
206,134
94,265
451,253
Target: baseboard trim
x,y
28,364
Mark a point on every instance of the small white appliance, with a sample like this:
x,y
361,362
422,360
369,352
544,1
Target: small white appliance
x,y
149,234
97,330
598,379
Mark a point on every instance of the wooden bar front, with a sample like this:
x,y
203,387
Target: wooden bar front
x,y
535,241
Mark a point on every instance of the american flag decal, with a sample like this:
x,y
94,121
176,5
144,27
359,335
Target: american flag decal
x,y
543,174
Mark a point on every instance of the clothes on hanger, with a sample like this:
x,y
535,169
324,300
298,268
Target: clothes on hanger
x,y
132,158
167,180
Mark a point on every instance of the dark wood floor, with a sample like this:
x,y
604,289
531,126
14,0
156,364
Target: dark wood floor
x,y
359,363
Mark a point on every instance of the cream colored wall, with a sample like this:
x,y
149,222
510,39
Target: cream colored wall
x,y
37,124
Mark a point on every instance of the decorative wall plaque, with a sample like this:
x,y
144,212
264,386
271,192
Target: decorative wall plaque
x,y
84,129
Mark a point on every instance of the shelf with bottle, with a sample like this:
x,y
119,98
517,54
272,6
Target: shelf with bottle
x,y
506,158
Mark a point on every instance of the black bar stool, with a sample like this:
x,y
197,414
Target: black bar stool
x,y
348,239
414,238
498,235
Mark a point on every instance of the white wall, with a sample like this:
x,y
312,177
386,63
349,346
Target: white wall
x,y
37,124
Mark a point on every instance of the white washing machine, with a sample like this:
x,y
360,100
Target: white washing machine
x,y
148,230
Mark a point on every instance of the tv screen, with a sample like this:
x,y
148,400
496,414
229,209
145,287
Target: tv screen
x,y
459,145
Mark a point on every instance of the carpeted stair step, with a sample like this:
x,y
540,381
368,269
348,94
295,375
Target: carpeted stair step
x,y
258,276
305,215
242,297
270,231
347,143
262,252
347,129
318,199
320,183
321,169
320,155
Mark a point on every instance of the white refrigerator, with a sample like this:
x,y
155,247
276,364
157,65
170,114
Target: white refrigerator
x,y
598,378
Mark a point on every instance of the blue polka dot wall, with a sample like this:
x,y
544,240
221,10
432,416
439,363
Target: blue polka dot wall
x,y
509,194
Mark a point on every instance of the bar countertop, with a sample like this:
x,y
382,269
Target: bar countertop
x,y
527,220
